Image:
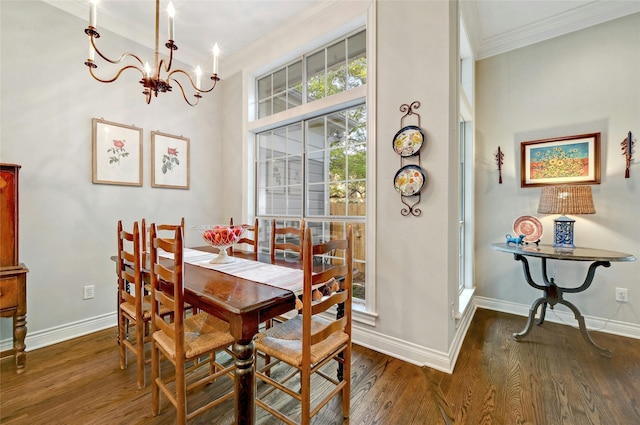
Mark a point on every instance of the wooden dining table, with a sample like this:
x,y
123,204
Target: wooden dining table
x,y
244,304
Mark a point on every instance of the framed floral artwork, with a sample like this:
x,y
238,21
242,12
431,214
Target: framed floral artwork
x,y
169,161
117,153
560,160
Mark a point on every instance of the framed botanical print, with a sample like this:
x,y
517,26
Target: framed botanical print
x,y
169,161
116,153
560,160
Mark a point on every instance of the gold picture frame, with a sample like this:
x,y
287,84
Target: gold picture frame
x,y
169,161
560,160
116,153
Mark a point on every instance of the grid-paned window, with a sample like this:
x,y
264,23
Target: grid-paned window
x,y
280,90
326,156
315,168
335,68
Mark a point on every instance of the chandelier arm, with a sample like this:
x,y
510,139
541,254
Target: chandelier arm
x,y
163,65
167,65
116,61
116,76
184,95
198,89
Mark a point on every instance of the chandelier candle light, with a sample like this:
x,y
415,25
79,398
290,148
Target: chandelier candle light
x,y
151,77
565,200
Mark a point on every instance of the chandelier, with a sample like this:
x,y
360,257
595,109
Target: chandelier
x,y
152,79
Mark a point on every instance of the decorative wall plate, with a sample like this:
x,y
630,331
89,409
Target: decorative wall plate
x,y
409,180
528,226
408,140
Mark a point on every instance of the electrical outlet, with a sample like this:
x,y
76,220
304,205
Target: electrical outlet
x,y
89,292
622,295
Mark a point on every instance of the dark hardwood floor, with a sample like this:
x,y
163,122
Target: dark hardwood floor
x,y
553,377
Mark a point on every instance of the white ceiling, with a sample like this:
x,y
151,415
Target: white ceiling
x,y
492,26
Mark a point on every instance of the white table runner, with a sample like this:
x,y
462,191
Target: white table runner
x,y
270,274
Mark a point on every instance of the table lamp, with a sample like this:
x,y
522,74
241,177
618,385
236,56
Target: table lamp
x,y
565,200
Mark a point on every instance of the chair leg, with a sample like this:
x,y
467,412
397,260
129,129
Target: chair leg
x,y
305,382
140,332
181,390
346,390
155,374
122,324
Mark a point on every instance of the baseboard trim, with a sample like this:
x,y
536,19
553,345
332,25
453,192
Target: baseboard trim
x,y
402,350
413,353
564,317
46,337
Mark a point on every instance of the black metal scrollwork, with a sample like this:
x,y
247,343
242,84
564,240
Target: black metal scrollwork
x,y
410,198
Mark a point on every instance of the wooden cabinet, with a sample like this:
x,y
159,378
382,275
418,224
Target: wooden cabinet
x,y
13,274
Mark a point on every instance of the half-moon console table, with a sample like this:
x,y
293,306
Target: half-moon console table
x,y
553,294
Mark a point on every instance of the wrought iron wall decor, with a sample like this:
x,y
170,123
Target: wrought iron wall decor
x,y
627,152
499,161
410,178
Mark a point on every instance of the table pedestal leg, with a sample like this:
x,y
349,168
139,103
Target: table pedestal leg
x,y
543,312
532,316
606,352
244,383
553,294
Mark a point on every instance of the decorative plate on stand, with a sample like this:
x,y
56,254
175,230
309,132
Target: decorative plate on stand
x,y
528,226
409,180
408,141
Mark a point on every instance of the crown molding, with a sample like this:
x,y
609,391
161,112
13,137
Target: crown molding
x,y
577,18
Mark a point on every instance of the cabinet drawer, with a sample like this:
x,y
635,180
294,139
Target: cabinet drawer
x,y
8,292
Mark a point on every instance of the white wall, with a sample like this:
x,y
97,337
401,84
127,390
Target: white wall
x,y
417,60
68,224
584,82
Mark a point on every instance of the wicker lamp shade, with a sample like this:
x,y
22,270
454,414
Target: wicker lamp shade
x,y
566,200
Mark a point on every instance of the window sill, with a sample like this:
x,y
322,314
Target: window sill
x,y
358,314
464,301
361,315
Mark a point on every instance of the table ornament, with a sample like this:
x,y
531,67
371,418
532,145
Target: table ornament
x,y
528,226
221,237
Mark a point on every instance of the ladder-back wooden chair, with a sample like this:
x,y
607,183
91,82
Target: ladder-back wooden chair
x,y
188,343
245,238
283,238
134,309
159,228
309,343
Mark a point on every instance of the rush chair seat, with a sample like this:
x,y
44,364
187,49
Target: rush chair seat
x,y
188,343
282,239
306,343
